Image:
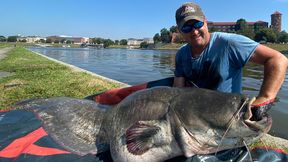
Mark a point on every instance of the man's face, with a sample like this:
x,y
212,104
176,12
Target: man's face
x,y
197,37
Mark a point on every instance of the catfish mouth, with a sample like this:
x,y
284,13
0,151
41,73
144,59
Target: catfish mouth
x,y
261,123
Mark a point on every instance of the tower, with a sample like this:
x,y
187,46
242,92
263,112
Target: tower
x,y
276,21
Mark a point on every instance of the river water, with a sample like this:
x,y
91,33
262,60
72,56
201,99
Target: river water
x,y
134,66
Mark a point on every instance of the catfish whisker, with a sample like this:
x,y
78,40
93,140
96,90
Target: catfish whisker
x,y
230,124
265,144
248,150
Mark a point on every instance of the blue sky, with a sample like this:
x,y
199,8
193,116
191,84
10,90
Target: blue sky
x,y
121,19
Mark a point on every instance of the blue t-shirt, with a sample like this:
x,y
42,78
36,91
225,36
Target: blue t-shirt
x,y
219,66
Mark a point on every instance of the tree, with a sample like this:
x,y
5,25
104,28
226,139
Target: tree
x,y
12,39
243,28
42,40
2,39
123,42
49,40
68,42
144,44
108,42
241,24
178,38
63,40
165,36
157,38
248,32
93,41
283,37
117,42
267,35
98,41
173,29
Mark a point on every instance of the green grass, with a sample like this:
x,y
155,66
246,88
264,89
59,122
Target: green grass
x,y
34,76
279,47
268,141
118,46
3,45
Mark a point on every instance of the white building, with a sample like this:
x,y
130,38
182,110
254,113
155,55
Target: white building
x,y
137,42
74,40
30,39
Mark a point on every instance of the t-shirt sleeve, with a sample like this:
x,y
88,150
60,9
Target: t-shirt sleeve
x,y
241,48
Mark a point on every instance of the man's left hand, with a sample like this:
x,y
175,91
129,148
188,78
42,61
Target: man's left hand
x,y
260,109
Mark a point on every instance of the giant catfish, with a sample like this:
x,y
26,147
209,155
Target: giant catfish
x,y
154,124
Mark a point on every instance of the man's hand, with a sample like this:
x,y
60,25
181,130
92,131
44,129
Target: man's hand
x,y
179,82
259,110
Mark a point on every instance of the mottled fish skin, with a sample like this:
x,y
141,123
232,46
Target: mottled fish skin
x,y
154,124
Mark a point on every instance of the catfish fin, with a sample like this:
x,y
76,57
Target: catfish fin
x,y
139,137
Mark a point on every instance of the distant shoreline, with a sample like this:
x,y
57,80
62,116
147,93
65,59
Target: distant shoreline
x,y
283,48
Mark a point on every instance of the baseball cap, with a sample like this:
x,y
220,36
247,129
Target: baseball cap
x,y
188,11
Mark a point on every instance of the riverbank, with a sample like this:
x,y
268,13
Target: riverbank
x,y
279,47
33,76
283,48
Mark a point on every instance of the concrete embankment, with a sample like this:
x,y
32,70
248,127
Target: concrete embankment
x,y
4,51
3,54
75,68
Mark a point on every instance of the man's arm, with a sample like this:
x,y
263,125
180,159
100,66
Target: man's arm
x,y
275,66
179,82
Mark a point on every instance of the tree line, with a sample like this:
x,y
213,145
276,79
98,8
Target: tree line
x,y
96,40
108,42
262,35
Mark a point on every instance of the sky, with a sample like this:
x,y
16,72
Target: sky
x,y
121,19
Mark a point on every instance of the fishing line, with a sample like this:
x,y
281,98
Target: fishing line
x,y
250,156
230,124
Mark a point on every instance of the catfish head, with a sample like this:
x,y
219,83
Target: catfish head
x,y
209,121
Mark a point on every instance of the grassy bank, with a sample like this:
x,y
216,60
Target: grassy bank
x,y
3,45
33,76
279,47
159,46
174,46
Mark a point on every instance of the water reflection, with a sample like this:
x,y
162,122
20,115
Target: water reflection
x,y
138,66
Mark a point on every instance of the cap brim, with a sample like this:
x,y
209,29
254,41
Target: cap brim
x,y
186,19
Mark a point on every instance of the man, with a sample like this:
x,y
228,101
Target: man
x,y
215,60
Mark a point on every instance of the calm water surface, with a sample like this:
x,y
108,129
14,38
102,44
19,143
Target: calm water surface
x,y
139,66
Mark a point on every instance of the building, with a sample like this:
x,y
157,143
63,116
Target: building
x,y
232,26
137,42
276,21
64,39
30,39
148,40
134,42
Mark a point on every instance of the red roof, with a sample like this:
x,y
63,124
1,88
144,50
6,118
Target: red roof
x,y
276,13
223,23
233,23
